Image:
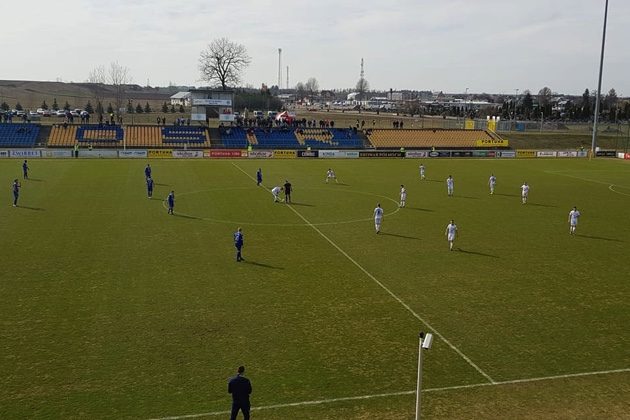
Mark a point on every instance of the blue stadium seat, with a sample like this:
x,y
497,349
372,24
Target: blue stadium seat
x,y
18,134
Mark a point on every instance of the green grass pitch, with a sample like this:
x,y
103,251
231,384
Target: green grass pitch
x,y
110,308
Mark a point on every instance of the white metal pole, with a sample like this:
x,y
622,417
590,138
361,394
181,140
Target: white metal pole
x,y
599,83
419,382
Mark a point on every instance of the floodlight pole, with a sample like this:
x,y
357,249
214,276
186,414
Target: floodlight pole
x,y
599,83
419,382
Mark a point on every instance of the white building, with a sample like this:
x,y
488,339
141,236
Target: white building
x,y
181,98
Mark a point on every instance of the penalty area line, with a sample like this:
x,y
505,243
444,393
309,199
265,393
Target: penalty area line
x,y
385,288
400,393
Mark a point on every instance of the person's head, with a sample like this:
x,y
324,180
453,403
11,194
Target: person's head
x,y
24,160
239,229
402,186
15,180
450,176
452,222
378,204
575,208
241,369
173,192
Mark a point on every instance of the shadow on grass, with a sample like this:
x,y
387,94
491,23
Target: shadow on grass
x,y
601,238
34,179
399,236
418,209
257,264
30,208
467,197
430,180
476,253
301,204
162,185
185,216
506,195
541,205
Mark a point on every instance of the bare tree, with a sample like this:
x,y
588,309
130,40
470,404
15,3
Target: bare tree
x,y
119,78
362,87
98,77
300,91
312,87
223,62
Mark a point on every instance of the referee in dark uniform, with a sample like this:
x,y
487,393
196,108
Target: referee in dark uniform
x,y
240,388
287,191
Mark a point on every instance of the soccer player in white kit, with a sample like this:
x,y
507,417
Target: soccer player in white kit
x,y
451,232
403,196
331,175
422,171
492,182
378,217
450,184
574,215
524,192
276,194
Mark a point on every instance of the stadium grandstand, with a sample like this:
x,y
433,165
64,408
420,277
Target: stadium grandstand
x,y
18,135
428,138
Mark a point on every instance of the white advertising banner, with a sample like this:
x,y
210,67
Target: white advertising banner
x,y
26,153
57,153
260,154
546,153
338,154
188,154
567,153
98,153
4,153
226,117
197,117
506,153
132,154
416,154
212,102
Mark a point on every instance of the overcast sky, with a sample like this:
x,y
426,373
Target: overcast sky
x,y
493,46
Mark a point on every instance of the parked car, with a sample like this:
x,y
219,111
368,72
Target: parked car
x,y
60,113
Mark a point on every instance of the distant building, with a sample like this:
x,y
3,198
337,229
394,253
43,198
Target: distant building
x,y
181,98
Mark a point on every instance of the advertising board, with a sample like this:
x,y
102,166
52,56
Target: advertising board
x,y
506,154
491,143
98,154
626,156
284,154
546,153
380,154
567,153
606,153
187,154
226,153
4,153
440,153
260,154
25,153
413,154
307,153
462,153
525,153
160,153
212,102
57,153
132,154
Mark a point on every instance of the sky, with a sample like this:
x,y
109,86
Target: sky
x,y
493,46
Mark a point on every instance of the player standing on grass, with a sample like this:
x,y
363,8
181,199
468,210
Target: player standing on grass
x,y
378,217
238,243
574,215
16,191
422,171
170,200
451,233
258,177
331,175
150,187
492,182
450,185
403,196
287,191
240,387
276,194
147,171
25,169
524,192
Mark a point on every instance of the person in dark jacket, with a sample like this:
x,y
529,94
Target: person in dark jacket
x,y
240,387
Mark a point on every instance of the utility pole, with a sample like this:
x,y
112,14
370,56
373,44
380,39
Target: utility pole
x,y
599,83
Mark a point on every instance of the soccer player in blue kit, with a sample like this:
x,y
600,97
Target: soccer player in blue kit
x,y
170,200
259,177
150,187
238,243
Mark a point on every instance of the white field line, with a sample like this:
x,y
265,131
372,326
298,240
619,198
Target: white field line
x,y
587,180
394,394
399,300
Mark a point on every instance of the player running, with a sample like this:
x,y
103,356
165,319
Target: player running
x,y
492,182
574,215
422,171
403,196
451,233
450,185
276,194
378,217
524,192
331,175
